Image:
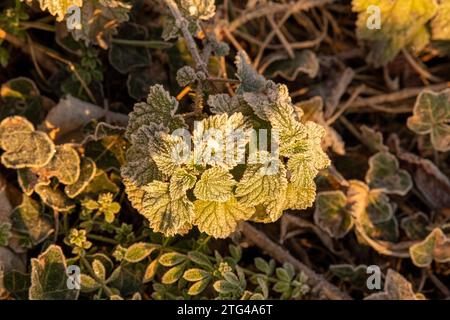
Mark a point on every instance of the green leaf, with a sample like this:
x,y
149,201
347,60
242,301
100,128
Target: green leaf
x,y
138,251
384,174
398,30
173,274
54,198
304,61
374,138
195,274
431,115
24,147
200,259
396,287
415,226
332,214
356,275
251,81
435,246
48,277
198,287
224,103
88,284
88,170
27,218
219,219
215,184
172,259
160,109
64,165
165,214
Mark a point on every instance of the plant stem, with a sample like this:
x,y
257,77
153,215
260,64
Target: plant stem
x,y
143,43
86,264
102,238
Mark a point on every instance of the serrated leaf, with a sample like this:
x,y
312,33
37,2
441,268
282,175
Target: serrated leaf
x,y
140,168
180,182
198,9
332,214
224,103
431,115
436,246
54,198
396,287
160,109
185,76
384,174
99,20
172,259
59,8
64,165
48,277
398,30
87,173
220,140
219,219
24,147
138,251
251,81
27,218
215,184
165,214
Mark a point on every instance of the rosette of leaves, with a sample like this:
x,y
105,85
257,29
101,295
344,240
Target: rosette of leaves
x,y
175,185
431,116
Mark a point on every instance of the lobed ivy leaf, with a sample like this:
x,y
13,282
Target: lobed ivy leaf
x,y
415,226
356,275
431,115
24,147
374,138
396,287
27,218
219,219
332,213
398,30
215,184
384,174
48,276
436,246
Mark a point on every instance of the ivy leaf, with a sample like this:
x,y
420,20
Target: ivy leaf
x,y
160,108
251,81
373,213
435,246
215,184
24,146
397,30
304,61
220,140
356,275
59,8
54,198
87,173
384,174
415,226
28,180
27,218
48,277
396,287
219,219
332,214
165,214
64,165
374,138
431,115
